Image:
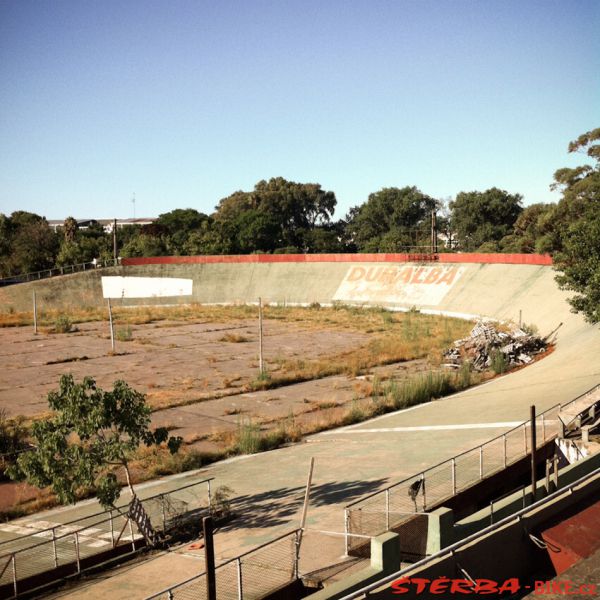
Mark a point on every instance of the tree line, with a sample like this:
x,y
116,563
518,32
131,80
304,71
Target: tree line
x,y
280,216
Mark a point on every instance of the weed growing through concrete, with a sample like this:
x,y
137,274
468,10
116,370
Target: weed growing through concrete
x,y
63,324
124,334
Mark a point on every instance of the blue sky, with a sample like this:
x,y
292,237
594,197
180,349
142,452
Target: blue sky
x,y
182,103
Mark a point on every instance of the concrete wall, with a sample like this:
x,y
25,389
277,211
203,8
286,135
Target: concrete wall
x,y
503,554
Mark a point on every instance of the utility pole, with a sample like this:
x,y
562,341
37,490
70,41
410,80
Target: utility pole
x,y
434,242
114,232
133,202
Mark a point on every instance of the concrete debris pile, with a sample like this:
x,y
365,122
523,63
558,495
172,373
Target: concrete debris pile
x,y
489,347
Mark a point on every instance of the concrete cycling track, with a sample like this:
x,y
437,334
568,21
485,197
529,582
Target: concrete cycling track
x,y
357,460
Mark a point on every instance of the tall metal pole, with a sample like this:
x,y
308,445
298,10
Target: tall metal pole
x,y
261,364
115,256
306,497
35,329
533,454
112,329
434,246
209,558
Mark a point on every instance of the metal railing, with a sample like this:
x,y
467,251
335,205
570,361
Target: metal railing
x,y
69,549
375,513
453,549
54,271
249,576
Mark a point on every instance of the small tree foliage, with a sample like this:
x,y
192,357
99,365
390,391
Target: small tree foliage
x,y
91,433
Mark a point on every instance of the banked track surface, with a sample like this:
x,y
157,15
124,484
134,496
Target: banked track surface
x,y
268,486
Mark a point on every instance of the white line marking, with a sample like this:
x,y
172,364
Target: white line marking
x,y
428,428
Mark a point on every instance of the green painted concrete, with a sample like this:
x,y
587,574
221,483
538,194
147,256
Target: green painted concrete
x,y
385,559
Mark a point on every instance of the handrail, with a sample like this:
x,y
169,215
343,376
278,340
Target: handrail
x,y
475,536
57,271
224,563
37,532
449,460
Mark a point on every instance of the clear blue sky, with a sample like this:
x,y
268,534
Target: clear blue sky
x,y
185,102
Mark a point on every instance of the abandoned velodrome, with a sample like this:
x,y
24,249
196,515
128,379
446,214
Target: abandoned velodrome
x,y
441,489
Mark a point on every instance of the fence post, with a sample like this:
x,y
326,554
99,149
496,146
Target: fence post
x,y
239,579
77,551
35,327
346,523
387,509
504,444
543,427
454,477
112,529
54,546
261,364
423,488
480,462
112,329
297,554
209,559
14,569
131,533
164,515
533,456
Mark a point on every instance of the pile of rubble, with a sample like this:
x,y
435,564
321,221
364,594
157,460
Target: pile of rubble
x,y
486,341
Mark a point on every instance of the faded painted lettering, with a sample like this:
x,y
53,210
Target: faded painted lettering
x,y
405,284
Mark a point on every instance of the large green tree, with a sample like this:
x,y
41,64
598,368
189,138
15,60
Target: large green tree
x,y
532,231
481,219
29,244
578,253
280,212
392,220
91,435
177,226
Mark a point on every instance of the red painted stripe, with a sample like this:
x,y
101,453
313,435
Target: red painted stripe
x,y
510,259
506,259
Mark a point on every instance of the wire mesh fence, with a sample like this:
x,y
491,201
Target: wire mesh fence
x,y
384,510
51,553
249,576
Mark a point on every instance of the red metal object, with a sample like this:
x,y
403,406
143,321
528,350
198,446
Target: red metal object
x,y
510,259
576,537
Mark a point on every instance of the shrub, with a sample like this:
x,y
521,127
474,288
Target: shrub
x,y
13,439
63,324
124,334
248,438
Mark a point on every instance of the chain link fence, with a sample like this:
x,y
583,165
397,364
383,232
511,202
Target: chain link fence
x,y
249,576
385,509
50,554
